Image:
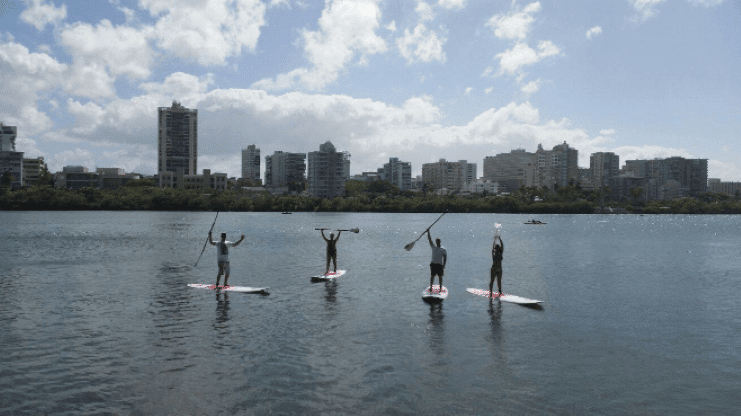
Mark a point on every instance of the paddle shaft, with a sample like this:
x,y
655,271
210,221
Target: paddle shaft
x,y
428,228
207,238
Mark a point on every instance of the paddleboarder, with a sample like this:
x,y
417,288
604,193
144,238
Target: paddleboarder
x,y
497,252
439,259
331,249
222,255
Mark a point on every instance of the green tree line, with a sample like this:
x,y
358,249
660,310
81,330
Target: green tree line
x,y
359,197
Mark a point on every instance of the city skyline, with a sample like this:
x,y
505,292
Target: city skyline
x,y
417,80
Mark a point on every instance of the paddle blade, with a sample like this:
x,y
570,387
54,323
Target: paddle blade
x,y
355,230
409,246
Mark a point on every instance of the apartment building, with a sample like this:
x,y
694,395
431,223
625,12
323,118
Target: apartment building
x,y
177,140
328,170
283,168
251,163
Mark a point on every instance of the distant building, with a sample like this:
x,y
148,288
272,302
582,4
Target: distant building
x,y
511,170
674,177
728,188
284,168
32,169
10,160
603,166
448,176
398,173
557,167
251,163
482,186
206,180
78,177
177,140
328,170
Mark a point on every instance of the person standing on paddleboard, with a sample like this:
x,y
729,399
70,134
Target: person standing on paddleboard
x,y
331,249
439,259
497,253
222,255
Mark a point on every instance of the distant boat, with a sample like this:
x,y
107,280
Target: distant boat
x,y
286,212
535,222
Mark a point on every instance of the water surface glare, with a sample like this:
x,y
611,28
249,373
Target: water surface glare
x,y
641,315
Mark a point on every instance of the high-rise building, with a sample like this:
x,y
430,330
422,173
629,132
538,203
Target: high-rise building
x,y
443,175
398,173
603,166
251,163
178,139
511,170
328,170
284,168
674,177
10,160
557,167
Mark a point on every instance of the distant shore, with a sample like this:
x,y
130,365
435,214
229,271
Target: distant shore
x,y
46,198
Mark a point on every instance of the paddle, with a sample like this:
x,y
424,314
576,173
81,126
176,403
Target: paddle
x,y
204,244
353,230
411,245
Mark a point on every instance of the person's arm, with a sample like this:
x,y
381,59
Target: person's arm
x,y
445,258
429,238
338,235
325,238
210,240
501,243
240,240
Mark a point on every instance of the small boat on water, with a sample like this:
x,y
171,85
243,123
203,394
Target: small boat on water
x,y
286,212
535,222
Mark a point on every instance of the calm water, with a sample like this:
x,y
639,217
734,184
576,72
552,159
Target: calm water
x,y
641,315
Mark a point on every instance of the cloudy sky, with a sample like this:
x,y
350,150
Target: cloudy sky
x,y
419,80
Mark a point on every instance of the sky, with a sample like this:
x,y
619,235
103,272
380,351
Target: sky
x,y
420,80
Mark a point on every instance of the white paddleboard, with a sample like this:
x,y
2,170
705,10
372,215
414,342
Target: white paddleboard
x,y
437,293
328,276
504,297
242,289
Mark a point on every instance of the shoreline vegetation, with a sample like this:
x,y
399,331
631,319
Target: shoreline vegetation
x,y
140,195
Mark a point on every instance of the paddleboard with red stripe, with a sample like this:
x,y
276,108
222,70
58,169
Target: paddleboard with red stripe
x,y
328,276
242,289
437,293
504,297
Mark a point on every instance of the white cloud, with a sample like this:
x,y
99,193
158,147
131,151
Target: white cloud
x,y
607,132
489,90
423,45
208,31
468,91
594,32
531,87
77,157
346,29
452,4
516,24
644,8
649,152
521,55
89,45
26,77
41,13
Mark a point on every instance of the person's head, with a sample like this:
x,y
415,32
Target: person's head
x,y
437,241
223,236
331,236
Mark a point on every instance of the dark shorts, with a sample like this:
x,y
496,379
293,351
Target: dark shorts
x,y
331,253
436,269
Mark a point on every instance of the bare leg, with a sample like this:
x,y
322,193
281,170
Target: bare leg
x,y
334,261
328,259
432,280
226,279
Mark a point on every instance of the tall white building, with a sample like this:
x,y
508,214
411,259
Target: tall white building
x,y
557,167
451,176
398,173
177,139
328,170
10,160
284,168
251,163
511,170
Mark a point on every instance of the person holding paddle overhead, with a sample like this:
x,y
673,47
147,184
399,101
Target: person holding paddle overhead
x,y
222,255
331,249
439,259
497,252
